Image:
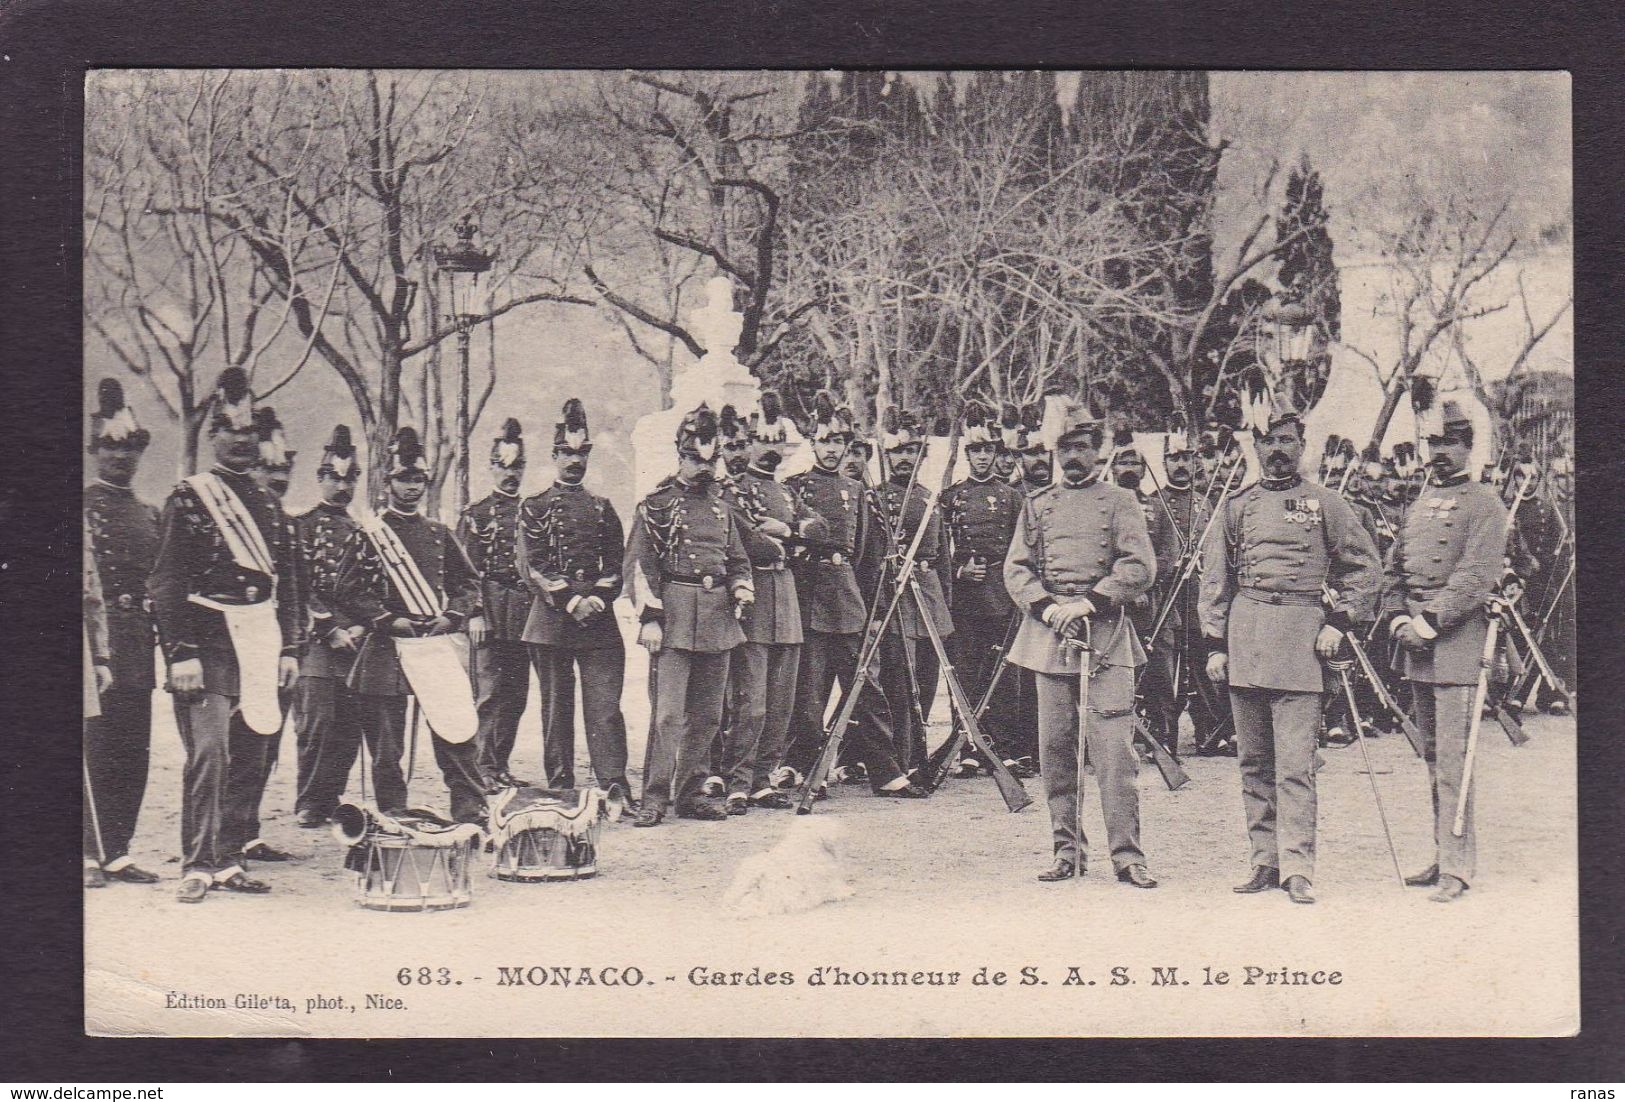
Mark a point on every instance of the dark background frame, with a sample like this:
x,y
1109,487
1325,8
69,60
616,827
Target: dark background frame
x,y
45,48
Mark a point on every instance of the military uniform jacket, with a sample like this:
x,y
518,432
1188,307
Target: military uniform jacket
x,y
488,532
1445,562
979,519
570,545
1075,542
364,592
192,558
324,534
95,612
685,560
833,596
1264,567
926,559
123,536
775,618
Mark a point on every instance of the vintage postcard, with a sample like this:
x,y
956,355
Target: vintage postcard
x,y
828,554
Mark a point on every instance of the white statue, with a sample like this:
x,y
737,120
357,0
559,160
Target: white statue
x,y
716,378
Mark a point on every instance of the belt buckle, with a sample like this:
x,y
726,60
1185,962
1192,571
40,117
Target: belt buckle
x,y
708,583
838,559
581,574
126,601
251,594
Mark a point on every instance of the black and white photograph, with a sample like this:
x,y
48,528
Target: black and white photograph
x,y
828,553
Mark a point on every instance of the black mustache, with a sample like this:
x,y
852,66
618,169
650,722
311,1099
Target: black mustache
x,y
1276,455
1075,465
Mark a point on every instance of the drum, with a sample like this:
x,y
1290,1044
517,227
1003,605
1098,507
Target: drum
x,y
541,835
408,865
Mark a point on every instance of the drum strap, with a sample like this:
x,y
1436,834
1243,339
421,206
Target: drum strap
x,y
421,598
236,524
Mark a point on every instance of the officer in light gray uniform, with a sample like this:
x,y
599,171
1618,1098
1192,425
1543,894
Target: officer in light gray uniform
x,y
1445,561
1268,562
1080,555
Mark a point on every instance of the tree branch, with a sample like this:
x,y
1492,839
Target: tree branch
x,y
638,312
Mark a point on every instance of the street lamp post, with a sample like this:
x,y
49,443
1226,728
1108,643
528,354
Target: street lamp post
x,y
462,264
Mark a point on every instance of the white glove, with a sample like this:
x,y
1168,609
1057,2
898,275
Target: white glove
x,y
186,676
651,635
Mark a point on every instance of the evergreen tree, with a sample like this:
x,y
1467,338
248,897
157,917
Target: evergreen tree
x,y
1308,272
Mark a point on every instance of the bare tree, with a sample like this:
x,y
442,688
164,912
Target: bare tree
x,y
688,171
368,170
172,294
1441,258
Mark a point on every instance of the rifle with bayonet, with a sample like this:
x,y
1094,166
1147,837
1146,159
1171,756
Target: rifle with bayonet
x,y
1166,761
874,631
944,757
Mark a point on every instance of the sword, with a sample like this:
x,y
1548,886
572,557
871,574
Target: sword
x,y
1342,669
1476,720
95,820
1085,648
411,737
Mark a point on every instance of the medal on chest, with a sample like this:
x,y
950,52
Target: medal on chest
x,y
1304,511
1438,508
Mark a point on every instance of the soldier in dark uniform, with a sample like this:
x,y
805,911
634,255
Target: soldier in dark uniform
x,y
762,671
979,518
1438,581
1176,682
1007,460
1273,553
368,592
689,577
1080,555
571,546
1037,462
274,473
223,551
833,612
122,535
1125,468
1037,467
855,464
501,663
1542,540
327,721
909,667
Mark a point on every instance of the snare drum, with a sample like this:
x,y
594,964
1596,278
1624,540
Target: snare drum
x,y
398,874
544,854
541,835
414,862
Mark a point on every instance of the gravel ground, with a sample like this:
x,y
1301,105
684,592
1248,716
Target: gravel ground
x,y
944,886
